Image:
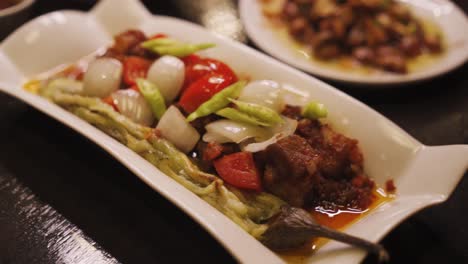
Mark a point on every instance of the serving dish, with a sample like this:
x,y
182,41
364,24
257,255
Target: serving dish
x,y
390,152
446,15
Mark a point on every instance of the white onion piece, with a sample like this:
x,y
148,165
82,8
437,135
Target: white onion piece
x,y
174,127
102,77
168,73
295,96
223,131
133,105
287,128
264,92
256,147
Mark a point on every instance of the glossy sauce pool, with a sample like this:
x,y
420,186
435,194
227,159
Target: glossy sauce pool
x,y
336,220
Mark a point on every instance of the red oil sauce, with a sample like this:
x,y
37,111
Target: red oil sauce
x,y
336,220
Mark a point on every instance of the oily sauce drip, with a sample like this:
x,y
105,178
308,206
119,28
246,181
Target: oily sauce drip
x,y
336,220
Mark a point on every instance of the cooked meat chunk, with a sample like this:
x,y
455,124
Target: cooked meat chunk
x,y
293,112
290,10
364,54
298,26
128,44
290,169
328,51
127,40
411,46
208,152
317,167
433,43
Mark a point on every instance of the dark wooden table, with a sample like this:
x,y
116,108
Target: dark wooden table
x,y
63,200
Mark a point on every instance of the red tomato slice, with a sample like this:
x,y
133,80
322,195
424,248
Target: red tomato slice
x,y
133,68
191,59
196,67
239,170
203,89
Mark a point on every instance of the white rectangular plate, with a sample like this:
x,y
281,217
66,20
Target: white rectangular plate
x,y
419,173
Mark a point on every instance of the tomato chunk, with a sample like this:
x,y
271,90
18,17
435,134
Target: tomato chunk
x,y
203,89
191,59
196,68
239,170
133,68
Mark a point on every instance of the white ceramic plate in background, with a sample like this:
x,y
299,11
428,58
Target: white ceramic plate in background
x,y
451,20
62,37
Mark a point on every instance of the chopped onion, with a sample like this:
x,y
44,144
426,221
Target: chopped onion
x,y
102,77
265,92
177,130
133,105
295,96
223,131
168,73
284,129
256,147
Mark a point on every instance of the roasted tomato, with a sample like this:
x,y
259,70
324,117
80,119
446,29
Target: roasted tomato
x,y
135,67
196,68
239,170
203,89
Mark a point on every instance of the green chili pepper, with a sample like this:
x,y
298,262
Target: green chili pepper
x,y
218,101
314,110
167,46
181,50
152,95
260,112
236,115
158,42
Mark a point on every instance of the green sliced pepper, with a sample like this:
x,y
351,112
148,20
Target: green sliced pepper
x,y
158,42
167,46
260,112
236,115
314,110
218,101
152,95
